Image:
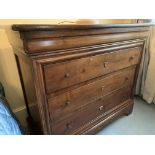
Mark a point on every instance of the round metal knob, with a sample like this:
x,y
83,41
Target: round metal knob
x,y
67,75
131,58
67,103
105,64
101,108
83,70
102,88
68,125
126,78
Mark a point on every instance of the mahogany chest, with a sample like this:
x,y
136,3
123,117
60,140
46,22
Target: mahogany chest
x,y
78,78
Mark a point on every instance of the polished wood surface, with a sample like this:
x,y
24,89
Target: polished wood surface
x,y
92,112
82,77
67,103
46,27
72,72
41,45
71,36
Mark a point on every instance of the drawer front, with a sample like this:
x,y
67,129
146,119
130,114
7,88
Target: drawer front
x,y
67,103
92,111
66,74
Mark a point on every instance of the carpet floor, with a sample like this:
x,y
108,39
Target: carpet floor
x,y
140,122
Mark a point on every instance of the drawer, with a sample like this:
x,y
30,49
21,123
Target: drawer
x,y
67,103
62,75
91,112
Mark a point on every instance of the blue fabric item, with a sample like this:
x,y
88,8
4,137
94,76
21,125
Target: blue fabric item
x,y
8,124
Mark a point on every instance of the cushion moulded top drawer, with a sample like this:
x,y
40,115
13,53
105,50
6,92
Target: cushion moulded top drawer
x,y
68,73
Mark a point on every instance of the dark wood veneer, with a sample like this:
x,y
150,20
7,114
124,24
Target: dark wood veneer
x,y
67,103
43,27
78,78
76,71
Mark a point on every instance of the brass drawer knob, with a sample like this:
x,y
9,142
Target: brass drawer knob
x,y
67,75
105,64
67,103
126,79
68,125
131,58
102,88
101,108
83,70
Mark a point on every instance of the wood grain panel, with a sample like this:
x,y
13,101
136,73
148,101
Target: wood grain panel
x,y
45,27
45,45
92,111
73,32
82,74
67,103
73,72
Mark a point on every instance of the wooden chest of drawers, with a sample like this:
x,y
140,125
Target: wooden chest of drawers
x,y
76,79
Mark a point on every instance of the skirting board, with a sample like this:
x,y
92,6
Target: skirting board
x,y
21,114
